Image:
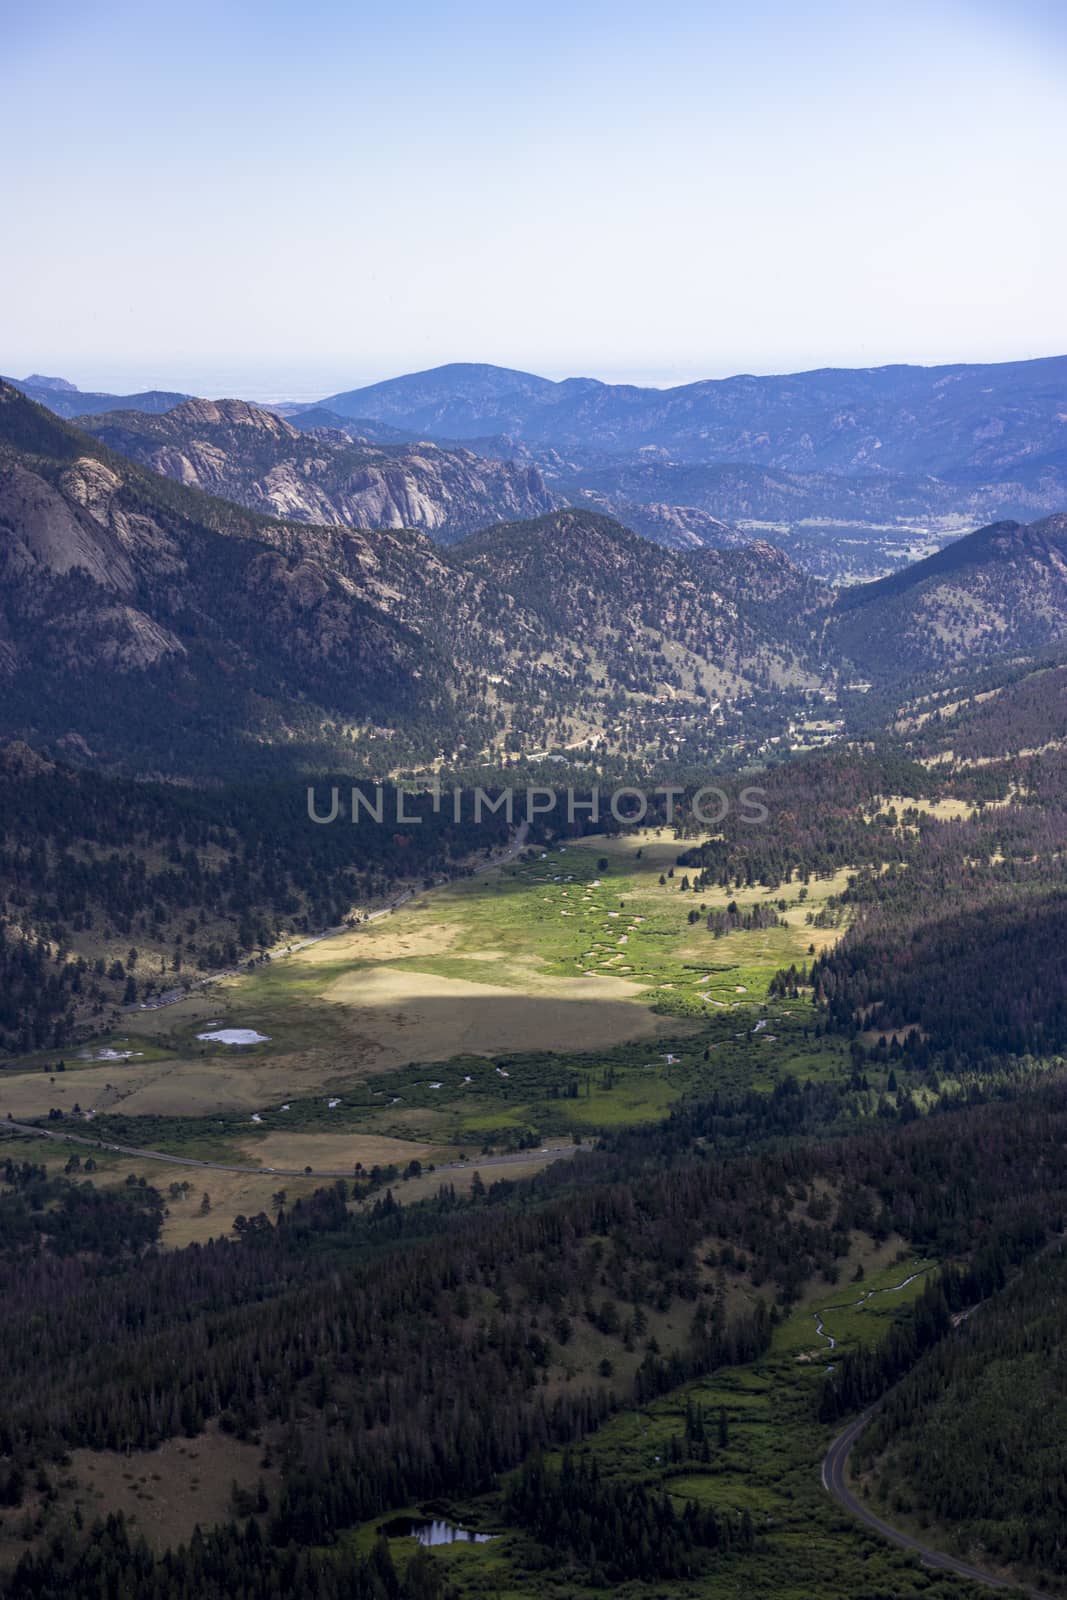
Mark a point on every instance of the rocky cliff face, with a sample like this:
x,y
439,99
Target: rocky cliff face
x,y
61,538
677,527
108,568
255,458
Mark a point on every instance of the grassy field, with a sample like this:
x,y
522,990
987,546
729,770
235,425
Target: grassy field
x,y
564,993
164,1493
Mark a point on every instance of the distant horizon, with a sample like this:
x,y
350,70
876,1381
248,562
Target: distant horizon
x,y
652,194
293,385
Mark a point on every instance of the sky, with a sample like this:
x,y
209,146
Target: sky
x,y
282,200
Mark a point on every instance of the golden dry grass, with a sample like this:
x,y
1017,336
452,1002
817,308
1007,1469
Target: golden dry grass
x,y
166,1492
393,939
421,1016
333,1152
177,1087
232,1194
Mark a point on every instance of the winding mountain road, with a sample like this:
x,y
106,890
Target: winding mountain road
x,y
835,1482
513,1158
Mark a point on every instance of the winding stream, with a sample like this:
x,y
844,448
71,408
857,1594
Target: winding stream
x,y
849,1305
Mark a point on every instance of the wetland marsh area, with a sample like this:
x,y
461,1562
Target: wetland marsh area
x,y
574,990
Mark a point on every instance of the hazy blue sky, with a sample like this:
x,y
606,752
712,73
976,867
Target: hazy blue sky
x,y
272,198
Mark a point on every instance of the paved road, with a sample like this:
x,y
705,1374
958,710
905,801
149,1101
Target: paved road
x,y
476,1163
835,1482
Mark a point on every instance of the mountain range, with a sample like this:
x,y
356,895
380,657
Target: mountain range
x,y
334,473
854,472
254,457
148,624
967,423
67,400
976,423
145,622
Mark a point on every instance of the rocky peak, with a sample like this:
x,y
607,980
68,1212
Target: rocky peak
x,y
61,385
232,414
19,761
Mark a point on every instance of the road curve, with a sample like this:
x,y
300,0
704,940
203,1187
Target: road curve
x,y
511,1159
835,1482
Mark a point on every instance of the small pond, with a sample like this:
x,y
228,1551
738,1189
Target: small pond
x,y
235,1036
430,1531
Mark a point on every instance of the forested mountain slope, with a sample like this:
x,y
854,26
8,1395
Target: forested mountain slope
x,y
210,626
972,1439
996,592
695,622
226,638
346,1344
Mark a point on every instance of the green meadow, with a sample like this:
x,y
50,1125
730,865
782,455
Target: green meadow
x,y
576,990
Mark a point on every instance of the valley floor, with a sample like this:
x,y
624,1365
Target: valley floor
x,y
532,1006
